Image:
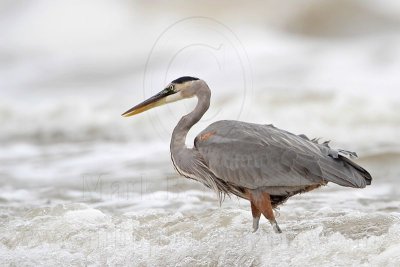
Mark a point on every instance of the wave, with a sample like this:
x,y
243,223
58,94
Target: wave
x,y
73,234
363,122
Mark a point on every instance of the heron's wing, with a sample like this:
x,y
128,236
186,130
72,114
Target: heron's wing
x,y
253,156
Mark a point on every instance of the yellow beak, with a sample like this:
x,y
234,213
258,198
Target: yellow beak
x,y
154,101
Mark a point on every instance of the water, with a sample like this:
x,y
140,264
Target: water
x,y
82,186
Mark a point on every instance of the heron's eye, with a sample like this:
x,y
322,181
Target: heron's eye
x,y
169,89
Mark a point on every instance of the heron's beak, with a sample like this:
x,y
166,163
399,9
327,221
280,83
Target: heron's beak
x,y
154,101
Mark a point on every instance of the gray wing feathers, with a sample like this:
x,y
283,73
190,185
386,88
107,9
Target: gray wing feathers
x,y
253,156
344,166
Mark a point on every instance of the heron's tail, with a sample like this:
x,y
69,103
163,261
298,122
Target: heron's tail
x,y
361,171
343,171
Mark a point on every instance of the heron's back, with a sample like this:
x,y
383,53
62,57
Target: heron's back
x,y
262,156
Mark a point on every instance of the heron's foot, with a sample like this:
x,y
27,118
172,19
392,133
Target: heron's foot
x,y
261,204
276,227
256,221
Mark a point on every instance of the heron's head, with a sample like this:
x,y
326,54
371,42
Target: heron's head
x,y
181,88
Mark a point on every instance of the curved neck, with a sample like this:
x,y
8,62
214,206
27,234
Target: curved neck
x,y
186,122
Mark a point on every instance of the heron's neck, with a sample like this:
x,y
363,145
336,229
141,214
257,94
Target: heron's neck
x,y
186,122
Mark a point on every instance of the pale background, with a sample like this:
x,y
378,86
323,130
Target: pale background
x,y
80,185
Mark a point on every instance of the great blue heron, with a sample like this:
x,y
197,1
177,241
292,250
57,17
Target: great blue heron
x,y
260,163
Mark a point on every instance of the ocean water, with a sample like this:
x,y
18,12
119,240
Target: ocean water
x,y
80,185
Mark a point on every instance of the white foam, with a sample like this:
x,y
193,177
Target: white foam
x,y
212,237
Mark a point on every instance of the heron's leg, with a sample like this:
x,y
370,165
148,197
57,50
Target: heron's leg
x,y
262,201
256,216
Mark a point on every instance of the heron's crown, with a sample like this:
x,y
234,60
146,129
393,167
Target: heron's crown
x,y
184,79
